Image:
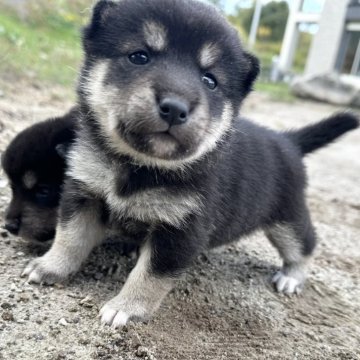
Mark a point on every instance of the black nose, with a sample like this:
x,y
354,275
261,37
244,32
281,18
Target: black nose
x,y
12,226
173,111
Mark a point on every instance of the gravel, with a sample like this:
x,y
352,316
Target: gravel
x,y
225,307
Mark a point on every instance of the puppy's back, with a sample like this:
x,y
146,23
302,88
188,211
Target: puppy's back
x,y
38,147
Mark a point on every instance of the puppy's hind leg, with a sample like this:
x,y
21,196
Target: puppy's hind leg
x,y
295,242
78,232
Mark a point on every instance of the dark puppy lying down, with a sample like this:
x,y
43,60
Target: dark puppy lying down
x,y
35,165
163,155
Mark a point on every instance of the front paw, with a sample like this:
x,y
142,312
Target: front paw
x,y
118,312
288,283
44,271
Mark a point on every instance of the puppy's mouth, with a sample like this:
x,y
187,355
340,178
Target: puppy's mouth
x,y
160,144
167,142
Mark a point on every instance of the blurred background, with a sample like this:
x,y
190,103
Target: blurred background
x,y
307,48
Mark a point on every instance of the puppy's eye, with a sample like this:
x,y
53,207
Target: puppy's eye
x,y
210,81
43,192
139,58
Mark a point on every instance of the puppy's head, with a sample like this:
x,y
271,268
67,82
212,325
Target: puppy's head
x,y
164,79
35,165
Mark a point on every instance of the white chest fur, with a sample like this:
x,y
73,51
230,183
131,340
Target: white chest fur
x,y
154,205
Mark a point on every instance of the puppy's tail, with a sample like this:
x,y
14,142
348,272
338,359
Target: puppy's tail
x,y
313,137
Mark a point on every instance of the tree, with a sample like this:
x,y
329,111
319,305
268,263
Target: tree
x,y
272,22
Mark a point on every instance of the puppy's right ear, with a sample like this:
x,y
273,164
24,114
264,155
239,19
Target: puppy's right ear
x,y
100,14
63,149
252,71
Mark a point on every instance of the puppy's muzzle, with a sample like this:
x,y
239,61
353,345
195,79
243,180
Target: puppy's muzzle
x,y
173,111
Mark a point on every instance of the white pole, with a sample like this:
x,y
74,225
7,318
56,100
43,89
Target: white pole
x,y
290,40
255,23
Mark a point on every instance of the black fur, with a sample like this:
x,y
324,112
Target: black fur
x,y
314,136
36,149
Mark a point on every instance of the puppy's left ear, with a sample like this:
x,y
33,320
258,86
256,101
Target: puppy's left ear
x,y
100,14
252,72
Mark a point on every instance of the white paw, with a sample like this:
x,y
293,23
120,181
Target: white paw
x,y
287,284
112,317
117,313
44,271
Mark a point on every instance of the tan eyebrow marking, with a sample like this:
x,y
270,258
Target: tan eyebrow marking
x,y
29,179
155,35
209,54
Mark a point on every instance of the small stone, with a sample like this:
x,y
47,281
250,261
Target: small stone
x,y
87,302
20,253
84,341
4,234
142,351
7,316
39,337
63,322
61,355
23,298
13,287
6,305
73,309
76,320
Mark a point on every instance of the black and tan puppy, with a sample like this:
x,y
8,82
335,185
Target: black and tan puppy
x,y
35,165
163,153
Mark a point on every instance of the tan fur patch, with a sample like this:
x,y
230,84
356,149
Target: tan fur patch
x,y
29,179
209,54
155,36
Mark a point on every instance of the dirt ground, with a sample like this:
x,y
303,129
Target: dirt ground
x,y
225,308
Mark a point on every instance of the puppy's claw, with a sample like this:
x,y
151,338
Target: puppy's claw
x,y
120,320
286,284
29,268
34,277
42,271
113,318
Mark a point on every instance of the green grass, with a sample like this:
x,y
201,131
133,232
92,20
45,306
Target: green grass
x,y
46,47
276,91
39,51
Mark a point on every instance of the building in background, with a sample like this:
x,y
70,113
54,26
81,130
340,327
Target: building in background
x,y
332,72
348,57
336,44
